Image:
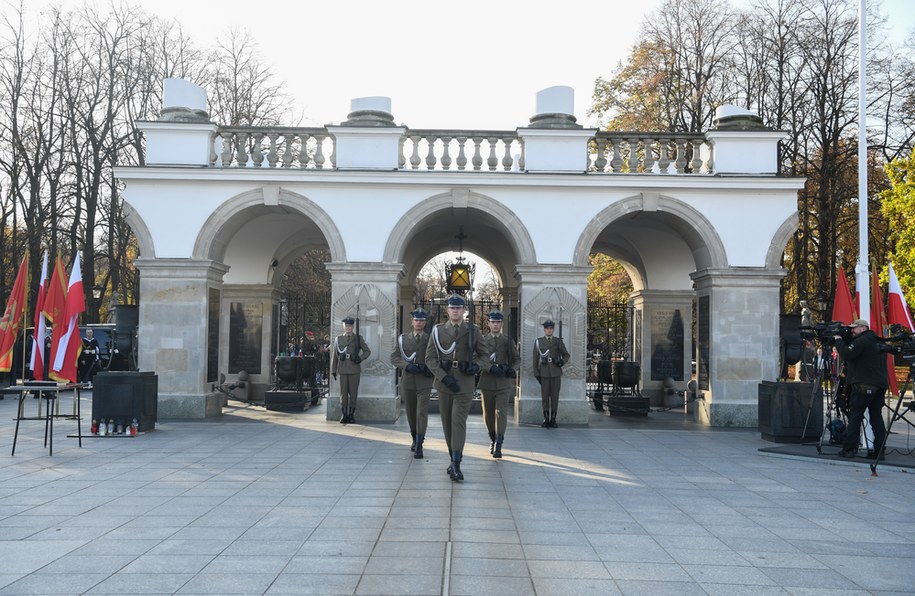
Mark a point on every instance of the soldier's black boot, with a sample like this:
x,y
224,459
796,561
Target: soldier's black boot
x,y
492,441
553,420
450,469
497,453
344,415
457,475
418,452
546,419
352,415
413,444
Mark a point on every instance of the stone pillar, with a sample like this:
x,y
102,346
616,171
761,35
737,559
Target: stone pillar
x,y
554,292
373,291
737,342
368,139
663,350
249,346
174,314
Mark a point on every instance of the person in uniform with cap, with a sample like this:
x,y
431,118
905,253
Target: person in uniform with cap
x,y
497,381
455,354
866,373
550,354
347,352
409,356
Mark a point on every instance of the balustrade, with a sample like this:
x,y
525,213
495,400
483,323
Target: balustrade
x,y
461,150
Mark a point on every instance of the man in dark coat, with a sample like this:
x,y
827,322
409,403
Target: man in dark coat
x,y
866,373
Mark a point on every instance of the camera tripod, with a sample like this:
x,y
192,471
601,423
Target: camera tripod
x,y
897,415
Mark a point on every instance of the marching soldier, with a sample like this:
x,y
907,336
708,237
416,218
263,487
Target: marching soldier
x,y
497,382
455,354
348,350
409,356
550,354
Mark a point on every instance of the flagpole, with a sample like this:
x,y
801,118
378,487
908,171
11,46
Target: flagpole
x,y
862,276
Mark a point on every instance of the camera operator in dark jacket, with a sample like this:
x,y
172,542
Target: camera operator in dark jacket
x,y
865,369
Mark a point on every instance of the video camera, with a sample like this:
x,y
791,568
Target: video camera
x,y
901,341
825,333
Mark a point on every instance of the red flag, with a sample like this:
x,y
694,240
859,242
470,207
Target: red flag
x,y
899,313
55,304
842,308
70,344
878,324
13,316
38,355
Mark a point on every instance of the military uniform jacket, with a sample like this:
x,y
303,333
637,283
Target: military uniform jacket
x,y
502,351
409,349
552,349
343,349
455,348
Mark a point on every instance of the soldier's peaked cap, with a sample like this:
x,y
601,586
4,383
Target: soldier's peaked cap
x,y
496,315
548,323
348,320
456,301
419,314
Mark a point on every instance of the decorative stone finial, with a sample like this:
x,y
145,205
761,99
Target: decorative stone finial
x,y
731,117
370,111
183,101
554,108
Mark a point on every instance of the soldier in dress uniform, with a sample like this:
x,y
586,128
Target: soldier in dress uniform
x,y
550,354
409,356
348,350
497,382
455,354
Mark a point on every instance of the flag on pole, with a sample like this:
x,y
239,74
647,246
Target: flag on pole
x,y
55,303
70,344
842,307
899,313
13,316
878,324
36,364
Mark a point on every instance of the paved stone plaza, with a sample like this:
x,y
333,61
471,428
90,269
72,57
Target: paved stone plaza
x,y
259,502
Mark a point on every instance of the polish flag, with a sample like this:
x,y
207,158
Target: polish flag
x,y
70,344
38,356
899,312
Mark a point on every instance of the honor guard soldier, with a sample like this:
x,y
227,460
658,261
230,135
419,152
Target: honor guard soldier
x,y
348,351
550,354
409,356
497,381
455,354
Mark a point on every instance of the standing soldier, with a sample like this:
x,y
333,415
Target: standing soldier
x,y
455,355
409,356
349,349
497,382
550,354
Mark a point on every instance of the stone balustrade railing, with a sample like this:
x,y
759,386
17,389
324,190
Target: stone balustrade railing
x,y
482,150
650,153
462,150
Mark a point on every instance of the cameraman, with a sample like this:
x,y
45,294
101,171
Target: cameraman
x,y
865,366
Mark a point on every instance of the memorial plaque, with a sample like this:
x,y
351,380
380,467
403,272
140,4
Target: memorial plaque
x,y
667,345
246,323
213,336
704,331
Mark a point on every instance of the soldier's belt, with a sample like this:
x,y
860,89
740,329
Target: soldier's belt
x,y
449,364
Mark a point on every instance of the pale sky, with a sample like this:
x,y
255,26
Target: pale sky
x,y
472,64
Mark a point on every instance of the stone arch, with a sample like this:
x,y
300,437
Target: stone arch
x,y
696,229
780,241
228,219
145,240
514,229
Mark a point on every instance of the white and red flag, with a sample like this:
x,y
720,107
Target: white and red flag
x,y
37,363
70,344
899,312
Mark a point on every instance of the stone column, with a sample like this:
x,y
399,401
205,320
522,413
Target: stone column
x,y
548,292
373,291
737,342
240,349
174,314
663,350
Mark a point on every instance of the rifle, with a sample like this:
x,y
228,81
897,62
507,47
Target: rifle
x,y
470,335
358,337
560,323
